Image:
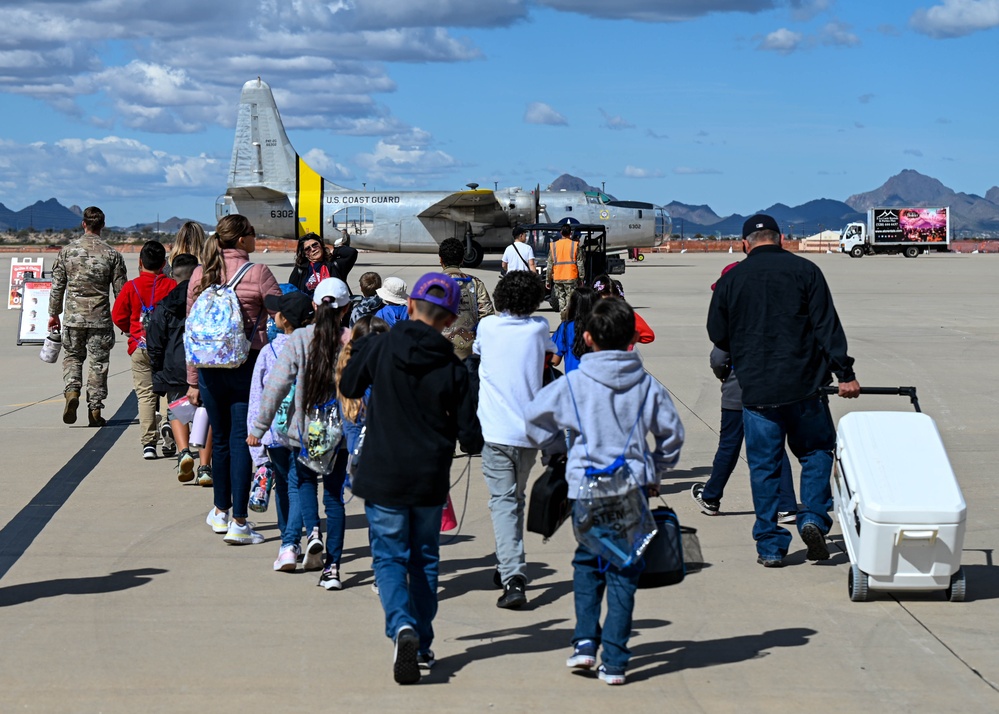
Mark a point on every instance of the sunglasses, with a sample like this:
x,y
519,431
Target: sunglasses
x,y
309,247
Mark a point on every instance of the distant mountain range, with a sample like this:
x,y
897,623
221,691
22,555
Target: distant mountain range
x,y
40,216
971,215
45,215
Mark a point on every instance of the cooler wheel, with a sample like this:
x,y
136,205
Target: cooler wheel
x,y
957,589
857,584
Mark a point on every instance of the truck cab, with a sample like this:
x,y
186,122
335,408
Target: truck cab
x,y
853,239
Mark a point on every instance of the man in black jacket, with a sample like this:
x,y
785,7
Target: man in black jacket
x,y
774,314
420,403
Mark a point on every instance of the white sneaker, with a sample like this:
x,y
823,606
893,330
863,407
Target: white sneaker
x,y
218,521
242,534
313,559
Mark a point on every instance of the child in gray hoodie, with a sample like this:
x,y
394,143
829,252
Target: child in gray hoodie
x,y
611,388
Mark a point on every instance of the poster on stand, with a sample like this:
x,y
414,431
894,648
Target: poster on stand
x,y
34,324
18,268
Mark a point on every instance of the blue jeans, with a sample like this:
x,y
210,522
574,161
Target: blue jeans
x,y
588,587
285,467
505,469
405,552
811,436
225,394
308,503
727,457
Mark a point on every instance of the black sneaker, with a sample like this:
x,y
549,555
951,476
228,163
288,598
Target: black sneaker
x,y
770,562
149,451
513,596
426,660
169,447
405,665
497,578
709,508
816,542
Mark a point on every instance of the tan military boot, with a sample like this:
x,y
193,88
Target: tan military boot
x,y
69,411
96,419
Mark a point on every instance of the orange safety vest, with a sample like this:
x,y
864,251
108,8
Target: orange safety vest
x,y
565,260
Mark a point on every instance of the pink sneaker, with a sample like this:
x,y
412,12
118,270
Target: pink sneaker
x,y
287,560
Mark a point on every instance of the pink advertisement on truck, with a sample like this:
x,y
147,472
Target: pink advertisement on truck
x,y
910,225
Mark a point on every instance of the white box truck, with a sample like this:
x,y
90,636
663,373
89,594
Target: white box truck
x,y
906,230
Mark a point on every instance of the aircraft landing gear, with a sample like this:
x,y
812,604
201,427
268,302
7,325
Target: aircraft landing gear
x,y
473,253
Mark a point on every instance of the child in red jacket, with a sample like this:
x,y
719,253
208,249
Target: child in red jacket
x,y
131,310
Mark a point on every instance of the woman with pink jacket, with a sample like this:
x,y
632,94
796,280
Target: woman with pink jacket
x,y
225,393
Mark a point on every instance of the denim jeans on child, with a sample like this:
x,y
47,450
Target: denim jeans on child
x,y
225,394
591,579
405,552
308,503
811,436
727,457
285,494
505,469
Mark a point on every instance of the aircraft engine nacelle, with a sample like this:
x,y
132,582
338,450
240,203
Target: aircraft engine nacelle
x,y
520,206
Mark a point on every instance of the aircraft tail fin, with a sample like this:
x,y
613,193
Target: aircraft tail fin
x,y
262,155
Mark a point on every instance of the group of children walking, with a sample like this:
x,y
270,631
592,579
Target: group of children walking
x,y
375,386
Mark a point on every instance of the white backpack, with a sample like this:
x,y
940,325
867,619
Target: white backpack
x,y
214,335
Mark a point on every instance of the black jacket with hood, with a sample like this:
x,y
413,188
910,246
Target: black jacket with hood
x,y
420,404
165,342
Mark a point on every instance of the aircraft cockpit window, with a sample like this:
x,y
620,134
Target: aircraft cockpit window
x,y
357,220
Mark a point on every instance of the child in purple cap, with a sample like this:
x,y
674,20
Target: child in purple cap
x,y
419,405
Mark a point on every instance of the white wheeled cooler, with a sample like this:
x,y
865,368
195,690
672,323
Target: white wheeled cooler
x,y
898,504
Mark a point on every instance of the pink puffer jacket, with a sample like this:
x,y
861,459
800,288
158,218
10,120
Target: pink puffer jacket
x,y
258,282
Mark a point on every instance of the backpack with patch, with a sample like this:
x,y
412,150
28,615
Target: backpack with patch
x,y
461,332
145,311
214,334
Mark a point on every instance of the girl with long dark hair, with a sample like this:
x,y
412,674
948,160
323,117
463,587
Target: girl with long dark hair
x,y
308,360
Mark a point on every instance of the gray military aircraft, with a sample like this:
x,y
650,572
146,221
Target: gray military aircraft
x,y
271,184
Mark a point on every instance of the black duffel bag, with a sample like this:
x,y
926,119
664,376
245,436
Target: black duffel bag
x,y
664,562
549,506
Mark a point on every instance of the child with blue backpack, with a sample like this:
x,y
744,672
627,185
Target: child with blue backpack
x,y
608,405
293,311
308,361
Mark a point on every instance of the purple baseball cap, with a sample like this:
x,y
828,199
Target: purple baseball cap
x,y
452,291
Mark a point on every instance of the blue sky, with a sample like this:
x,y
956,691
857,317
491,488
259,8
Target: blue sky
x,y
738,104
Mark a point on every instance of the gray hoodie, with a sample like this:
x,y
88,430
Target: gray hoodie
x,y
610,387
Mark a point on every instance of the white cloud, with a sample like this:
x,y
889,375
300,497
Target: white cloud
x,y
615,122
653,134
640,173
326,165
783,40
838,34
405,160
956,18
805,10
82,170
688,171
541,113
913,152
657,10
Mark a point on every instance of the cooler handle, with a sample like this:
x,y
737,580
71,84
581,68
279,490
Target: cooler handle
x,y
909,392
927,535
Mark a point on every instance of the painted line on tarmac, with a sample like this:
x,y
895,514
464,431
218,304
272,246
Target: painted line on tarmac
x,y
18,535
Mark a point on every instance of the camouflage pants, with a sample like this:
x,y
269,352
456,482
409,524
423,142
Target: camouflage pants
x,y
77,342
563,290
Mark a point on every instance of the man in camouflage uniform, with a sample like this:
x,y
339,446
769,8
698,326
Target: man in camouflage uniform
x,y
475,302
83,272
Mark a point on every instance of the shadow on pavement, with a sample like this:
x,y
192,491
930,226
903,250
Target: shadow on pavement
x,y
115,582
654,659
21,531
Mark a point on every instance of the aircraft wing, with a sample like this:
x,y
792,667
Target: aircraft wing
x,y
476,206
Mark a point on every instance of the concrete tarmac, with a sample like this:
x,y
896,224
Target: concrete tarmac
x,y
116,597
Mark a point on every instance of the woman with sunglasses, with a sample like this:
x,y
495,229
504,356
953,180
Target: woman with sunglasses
x,y
314,262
